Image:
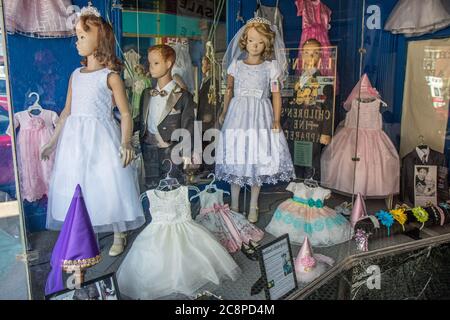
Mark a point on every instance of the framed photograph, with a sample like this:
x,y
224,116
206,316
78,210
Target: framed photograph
x,y
425,185
102,288
277,268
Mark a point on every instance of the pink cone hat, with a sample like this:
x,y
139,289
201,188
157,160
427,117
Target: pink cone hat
x,y
359,210
367,91
305,258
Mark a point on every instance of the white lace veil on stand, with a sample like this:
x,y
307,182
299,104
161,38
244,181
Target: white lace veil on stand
x,y
234,52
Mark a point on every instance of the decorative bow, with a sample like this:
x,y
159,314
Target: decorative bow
x,y
421,215
308,262
155,92
310,202
400,215
386,219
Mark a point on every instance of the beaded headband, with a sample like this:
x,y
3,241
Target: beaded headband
x,y
90,10
259,20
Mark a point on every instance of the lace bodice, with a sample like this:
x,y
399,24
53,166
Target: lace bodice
x,y
369,115
302,191
209,199
169,206
253,80
90,94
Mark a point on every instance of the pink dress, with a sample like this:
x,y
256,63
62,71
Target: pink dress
x,y
42,19
377,171
316,18
35,131
230,228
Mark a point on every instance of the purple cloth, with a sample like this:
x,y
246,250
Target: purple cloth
x,y
76,241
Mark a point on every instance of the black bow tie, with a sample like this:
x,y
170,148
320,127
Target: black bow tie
x,y
155,92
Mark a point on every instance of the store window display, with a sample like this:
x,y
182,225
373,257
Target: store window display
x,y
91,150
251,77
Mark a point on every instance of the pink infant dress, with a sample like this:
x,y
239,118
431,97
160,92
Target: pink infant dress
x,y
35,131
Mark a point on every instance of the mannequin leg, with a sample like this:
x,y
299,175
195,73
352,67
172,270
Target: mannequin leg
x,y
253,213
235,190
119,243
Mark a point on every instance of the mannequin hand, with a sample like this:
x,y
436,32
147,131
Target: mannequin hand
x,y
276,126
126,153
46,151
221,118
325,139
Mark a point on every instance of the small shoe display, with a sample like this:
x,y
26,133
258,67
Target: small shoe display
x,y
253,215
249,251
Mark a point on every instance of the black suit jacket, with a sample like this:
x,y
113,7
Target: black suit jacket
x,y
178,113
407,176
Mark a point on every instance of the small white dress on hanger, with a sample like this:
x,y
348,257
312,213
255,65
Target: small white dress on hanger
x,y
418,17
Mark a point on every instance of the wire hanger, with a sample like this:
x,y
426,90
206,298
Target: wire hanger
x,y
210,186
168,182
421,145
35,105
310,182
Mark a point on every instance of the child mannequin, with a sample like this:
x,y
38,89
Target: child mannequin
x,y
305,118
247,107
162,111
88,140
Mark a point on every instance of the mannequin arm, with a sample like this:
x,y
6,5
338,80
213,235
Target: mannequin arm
x,y
276,103
48,148
117,86
227,99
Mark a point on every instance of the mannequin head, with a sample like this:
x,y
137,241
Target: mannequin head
x,y
161,59
258,40
311,54
95,37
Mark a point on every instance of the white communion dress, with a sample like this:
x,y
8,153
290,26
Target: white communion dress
x,y
173,254
88,154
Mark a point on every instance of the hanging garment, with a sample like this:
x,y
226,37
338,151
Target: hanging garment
x,y
40,19
173,254
306,215
35,131
273,14
229,227
378,168
414,18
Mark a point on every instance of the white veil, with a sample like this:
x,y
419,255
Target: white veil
x,y
234,52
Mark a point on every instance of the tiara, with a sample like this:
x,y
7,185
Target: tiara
x,y
90,10
259,20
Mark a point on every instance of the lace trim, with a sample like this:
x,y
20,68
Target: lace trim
x,y
259,180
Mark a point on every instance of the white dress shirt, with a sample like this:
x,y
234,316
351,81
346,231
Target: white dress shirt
x,y
423,154
157,105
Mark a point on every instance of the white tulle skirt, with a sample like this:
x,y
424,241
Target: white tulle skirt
x,y
169,258
88,154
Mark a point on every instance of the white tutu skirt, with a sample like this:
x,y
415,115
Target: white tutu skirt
x,y
88,155
168,258
418,17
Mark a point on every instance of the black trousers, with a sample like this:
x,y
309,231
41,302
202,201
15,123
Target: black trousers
x,y
154,168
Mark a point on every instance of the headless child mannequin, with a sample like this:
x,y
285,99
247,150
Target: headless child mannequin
x,y
257,41
86,119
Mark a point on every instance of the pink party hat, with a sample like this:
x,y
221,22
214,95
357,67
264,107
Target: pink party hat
x,y
359,210
305,258
363,89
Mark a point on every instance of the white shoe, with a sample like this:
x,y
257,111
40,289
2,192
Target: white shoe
x,y
120,241
253,215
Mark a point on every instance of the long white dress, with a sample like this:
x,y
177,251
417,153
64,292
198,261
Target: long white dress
x,y
88,154
173,254
248,151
